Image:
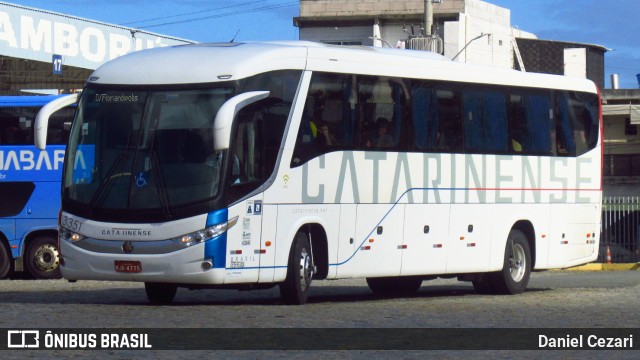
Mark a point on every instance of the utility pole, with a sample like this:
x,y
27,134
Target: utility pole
x,y
428,17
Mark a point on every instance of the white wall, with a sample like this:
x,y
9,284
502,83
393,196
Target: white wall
x,y
575,62
479,18
325,34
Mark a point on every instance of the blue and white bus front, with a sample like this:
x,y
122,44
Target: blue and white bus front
x,y
187,251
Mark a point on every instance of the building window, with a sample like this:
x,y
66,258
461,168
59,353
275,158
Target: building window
x,y
630,129
622,165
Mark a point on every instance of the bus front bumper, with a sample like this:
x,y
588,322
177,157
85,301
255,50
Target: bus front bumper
x,y
186,266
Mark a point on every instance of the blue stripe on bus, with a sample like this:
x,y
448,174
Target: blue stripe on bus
x,y
440,189
357,249
387,214
216,249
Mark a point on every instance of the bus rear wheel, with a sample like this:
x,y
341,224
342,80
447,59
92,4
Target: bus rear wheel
x,y
43,258
160,293
5,261
400,285
295,288
516,269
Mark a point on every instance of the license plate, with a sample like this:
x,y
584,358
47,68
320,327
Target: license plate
x,y
128,266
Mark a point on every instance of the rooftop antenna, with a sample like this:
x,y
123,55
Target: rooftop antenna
x,y
234,36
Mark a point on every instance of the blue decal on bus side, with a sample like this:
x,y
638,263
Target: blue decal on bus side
x,y
216,248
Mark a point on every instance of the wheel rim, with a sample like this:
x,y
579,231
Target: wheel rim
x,y
306,269
517,262
46,258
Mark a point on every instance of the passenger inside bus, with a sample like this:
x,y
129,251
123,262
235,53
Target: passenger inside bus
x,y
383,138
325,136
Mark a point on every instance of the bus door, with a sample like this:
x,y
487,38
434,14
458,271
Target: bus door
x,y
244,245
246,162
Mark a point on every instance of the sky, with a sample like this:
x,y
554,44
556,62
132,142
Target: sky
x,y
614,24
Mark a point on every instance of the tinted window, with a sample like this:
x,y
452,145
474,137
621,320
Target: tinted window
x,y
15,196
485,121
16,125
348,112
530,123
377,113
436,118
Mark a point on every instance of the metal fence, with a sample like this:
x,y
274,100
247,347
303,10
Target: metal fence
x,y
620,229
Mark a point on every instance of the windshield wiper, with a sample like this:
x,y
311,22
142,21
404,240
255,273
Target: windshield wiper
x,y
106,184
161,189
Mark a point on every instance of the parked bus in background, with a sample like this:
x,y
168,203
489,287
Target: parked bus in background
x,y
30,186
249,165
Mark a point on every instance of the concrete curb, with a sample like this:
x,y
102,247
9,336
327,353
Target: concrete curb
x,y
605,267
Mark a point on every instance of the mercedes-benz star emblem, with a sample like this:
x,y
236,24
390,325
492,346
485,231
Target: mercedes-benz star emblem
x,y
127,247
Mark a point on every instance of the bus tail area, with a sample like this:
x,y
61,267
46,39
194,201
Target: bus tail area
x,y
279,164
30,187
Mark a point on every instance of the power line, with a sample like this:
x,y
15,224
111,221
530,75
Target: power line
x,y
257,9
192,13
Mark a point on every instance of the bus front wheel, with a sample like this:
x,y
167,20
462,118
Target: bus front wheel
x,y
43,258
516,270
160,293
5,261
295,288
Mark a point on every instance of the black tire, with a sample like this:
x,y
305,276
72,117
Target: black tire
x,y
516,270
400,285
5,261
295,288
42,258
160,293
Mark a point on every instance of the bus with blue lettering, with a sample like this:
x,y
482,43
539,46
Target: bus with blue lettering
x,y
251,165
30,186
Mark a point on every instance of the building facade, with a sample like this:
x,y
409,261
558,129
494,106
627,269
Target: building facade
x,y
472,31
40,49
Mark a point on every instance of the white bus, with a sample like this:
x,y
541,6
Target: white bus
x,y
249,165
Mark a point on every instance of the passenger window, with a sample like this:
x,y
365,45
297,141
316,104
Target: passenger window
x,y
326,120
382,107
436,118
565,143
485,121
357,112
530,123
584,119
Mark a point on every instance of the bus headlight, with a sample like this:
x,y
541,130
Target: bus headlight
x,y
205,234
68,235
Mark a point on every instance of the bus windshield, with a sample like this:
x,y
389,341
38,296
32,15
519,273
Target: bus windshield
x,y
144,149
139,153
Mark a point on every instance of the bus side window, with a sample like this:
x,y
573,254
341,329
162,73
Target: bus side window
x,y
59,126
585,122
426,123
325,105
378,112
259,131
530,123
565,143
485,121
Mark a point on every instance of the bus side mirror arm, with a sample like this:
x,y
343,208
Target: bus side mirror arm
x,y
42,119
228,111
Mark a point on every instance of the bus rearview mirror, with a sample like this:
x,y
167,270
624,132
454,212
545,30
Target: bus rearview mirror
x,y
228,111
42,119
